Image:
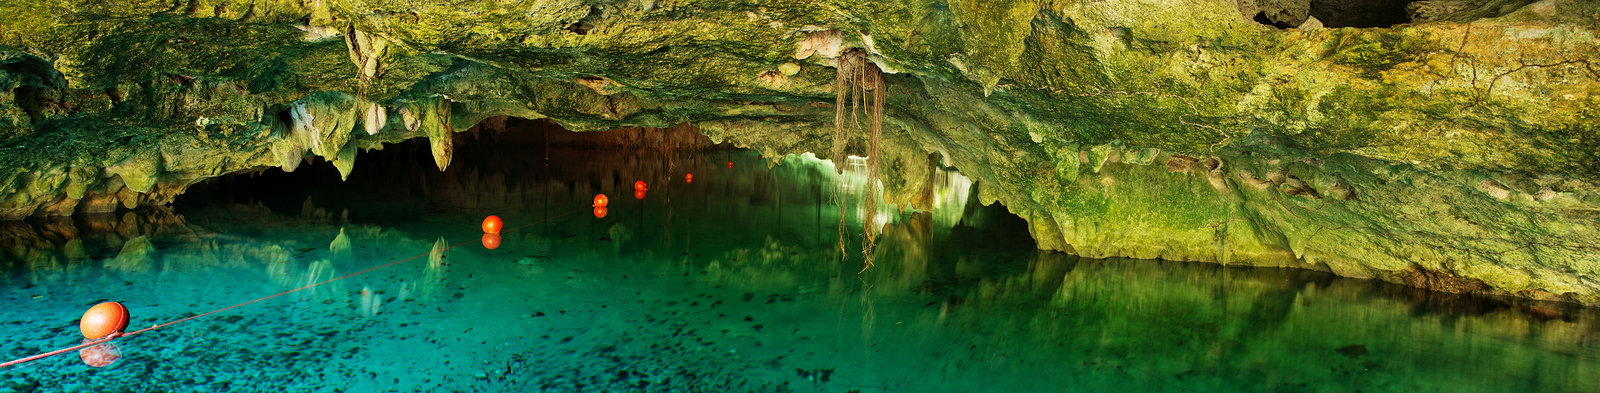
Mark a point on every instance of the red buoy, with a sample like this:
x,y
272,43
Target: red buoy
x,y
638,194
599,212
638,185
688,178
492,224
730,164
104,319
600,200
491,241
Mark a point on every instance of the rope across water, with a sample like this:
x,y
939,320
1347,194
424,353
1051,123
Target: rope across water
x,y
114,336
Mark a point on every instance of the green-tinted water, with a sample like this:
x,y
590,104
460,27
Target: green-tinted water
x,y
734,282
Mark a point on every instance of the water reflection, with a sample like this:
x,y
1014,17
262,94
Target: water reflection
x,y
1152,325
57,249
735,278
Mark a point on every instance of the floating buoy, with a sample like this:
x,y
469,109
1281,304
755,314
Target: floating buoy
x,y
599,212
730,164
638,185
492,224
491,241
100,355
688,178
638,194
103,319
600,200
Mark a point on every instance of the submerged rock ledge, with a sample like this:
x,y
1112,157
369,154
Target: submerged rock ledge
x,y
1457,155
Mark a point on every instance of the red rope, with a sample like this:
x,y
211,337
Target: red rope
x,y
86,344
154,327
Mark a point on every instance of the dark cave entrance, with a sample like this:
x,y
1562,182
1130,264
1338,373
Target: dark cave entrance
x,y
404,175
1330,13
1261,17
501,159
1360,13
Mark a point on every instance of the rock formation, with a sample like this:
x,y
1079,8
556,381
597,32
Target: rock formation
x,y
1455,153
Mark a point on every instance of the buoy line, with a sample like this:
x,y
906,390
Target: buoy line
x,y
115,335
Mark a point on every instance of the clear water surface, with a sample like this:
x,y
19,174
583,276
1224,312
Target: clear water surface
x,y
737,282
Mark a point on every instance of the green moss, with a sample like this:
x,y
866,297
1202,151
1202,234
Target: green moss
x,y
1065,158
1008,91
1350,117
992,38
1376,51
1058,57
1571,147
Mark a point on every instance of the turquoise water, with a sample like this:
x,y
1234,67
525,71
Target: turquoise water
x,y
735,282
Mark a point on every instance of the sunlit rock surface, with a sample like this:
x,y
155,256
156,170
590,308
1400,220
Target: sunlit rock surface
x,y
1453,153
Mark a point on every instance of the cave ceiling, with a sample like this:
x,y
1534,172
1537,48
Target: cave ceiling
x,y
1449,145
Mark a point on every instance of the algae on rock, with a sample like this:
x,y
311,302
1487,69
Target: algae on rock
x,y
1454,155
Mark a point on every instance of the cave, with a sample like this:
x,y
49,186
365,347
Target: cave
x,y
1316,14
730,196
1360,13
1319,14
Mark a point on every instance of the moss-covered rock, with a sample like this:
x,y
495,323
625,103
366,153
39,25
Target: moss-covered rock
x,y
1453,155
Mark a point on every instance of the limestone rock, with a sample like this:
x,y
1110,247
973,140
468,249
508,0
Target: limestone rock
x,y
367,51
1329,148
1461,10
1311,24
1284,12
374,118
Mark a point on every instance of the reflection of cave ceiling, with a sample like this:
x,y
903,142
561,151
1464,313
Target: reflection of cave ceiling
x,y
1454,152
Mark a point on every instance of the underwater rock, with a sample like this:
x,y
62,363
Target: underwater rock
x,y
137,255
341,247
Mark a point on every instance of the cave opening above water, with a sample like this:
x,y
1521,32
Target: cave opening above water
x,y
535,168
495,154
748,260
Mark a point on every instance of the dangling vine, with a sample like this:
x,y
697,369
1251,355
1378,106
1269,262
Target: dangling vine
x,y
856,77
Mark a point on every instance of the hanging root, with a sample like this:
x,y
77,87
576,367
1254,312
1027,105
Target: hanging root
x,y
838,199
856,77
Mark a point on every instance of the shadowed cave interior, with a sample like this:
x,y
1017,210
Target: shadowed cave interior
x,y
401,181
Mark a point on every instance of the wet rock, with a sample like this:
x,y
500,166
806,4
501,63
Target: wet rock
x,y
1009,92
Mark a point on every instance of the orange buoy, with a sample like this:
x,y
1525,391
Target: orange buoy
x,y
638,185
100,355
104,319
492,225
688,178
638,194
491,241
599,212
600,200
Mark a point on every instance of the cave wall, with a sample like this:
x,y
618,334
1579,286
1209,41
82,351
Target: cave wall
x,y
1445,154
